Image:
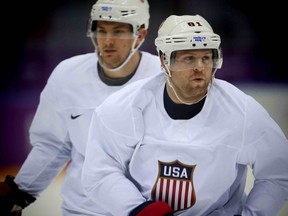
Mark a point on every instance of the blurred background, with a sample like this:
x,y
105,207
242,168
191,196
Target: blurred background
x,y
39,34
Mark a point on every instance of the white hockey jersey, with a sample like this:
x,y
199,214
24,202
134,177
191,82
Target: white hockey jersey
x,y
136,152
60,127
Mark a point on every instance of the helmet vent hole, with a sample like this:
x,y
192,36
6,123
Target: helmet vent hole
x,y
127,13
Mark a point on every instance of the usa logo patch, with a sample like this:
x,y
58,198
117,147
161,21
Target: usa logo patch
x,y
174,185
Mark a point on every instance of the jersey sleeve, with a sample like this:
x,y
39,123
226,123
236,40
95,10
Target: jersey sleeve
x,y
265,149
109,149
50,152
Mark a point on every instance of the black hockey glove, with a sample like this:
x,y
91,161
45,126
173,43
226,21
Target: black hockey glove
x,y
152,208
13,200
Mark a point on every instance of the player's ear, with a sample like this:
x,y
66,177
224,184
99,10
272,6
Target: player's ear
x,y
142,33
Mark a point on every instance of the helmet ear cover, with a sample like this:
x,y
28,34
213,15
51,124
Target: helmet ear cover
x,y
93,26
217,58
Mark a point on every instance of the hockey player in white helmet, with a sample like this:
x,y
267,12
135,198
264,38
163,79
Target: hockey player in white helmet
x,y
195,35
75,88
134,13
180,142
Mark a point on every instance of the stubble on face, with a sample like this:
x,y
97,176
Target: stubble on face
x,y
191,85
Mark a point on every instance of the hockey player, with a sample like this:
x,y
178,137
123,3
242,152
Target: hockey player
x,y
77,85
179,143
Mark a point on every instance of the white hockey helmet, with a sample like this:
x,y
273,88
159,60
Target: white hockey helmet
x,y
134,12
187,32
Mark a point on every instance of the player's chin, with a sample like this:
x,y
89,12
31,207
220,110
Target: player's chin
x,y
111,65
199,86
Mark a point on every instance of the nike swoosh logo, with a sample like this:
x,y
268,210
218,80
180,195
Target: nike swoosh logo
x,y
74,117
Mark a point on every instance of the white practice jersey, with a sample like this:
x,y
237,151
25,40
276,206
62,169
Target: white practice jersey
x,y
136,153
60,127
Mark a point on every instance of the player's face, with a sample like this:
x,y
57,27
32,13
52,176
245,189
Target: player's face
x,y
191,73
114,42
